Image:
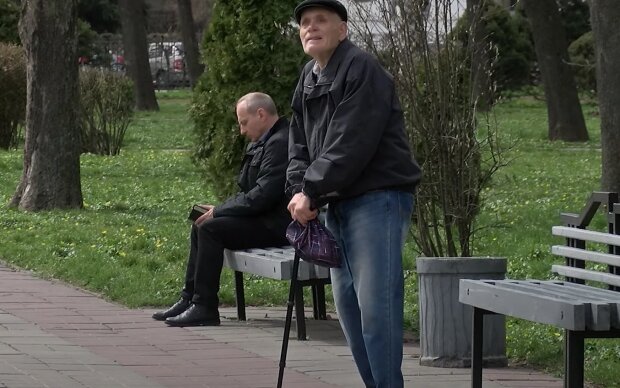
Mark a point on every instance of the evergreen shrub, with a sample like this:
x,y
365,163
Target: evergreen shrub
x,y
12,94
106,110
583,59
9,17
251,45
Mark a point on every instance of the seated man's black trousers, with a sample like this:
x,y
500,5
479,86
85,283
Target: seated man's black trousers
x,y
206,256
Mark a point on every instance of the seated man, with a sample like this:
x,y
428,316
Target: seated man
x,y
256,217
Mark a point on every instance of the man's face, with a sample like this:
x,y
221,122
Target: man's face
x,y
320,31
251,125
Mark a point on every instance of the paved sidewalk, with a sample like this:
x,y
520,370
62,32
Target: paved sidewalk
x,y
55,336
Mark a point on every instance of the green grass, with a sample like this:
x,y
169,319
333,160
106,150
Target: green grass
x,y
130,241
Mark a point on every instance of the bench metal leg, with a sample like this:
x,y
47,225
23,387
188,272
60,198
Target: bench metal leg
x,y
315,307
299,312
573,359
476,348
240,295
318,301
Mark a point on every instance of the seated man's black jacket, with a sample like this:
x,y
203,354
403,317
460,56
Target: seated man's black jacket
x,y
261,179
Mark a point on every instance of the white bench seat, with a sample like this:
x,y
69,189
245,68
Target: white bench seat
x,y
277,263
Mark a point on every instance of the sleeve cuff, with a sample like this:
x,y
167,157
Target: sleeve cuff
x,y
313,202
292,190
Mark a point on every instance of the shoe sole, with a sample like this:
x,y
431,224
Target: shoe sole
x,y
190,324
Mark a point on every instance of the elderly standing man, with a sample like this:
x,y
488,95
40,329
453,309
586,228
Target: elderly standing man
x,y
255,217
348,148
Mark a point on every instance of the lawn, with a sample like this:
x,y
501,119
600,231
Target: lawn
x,y
129,243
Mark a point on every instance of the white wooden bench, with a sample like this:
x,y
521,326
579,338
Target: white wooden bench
x,y
583,311
277,263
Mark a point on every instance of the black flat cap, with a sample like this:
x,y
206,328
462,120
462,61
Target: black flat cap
x,y
332,5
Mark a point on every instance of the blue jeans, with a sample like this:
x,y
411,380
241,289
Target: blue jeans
x,y
369,287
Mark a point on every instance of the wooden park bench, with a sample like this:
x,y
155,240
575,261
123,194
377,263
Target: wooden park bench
x,y
583,310
277,263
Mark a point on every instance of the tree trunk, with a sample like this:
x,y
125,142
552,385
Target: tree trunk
x,y
190,43
51,174
604,17
135,44
563,108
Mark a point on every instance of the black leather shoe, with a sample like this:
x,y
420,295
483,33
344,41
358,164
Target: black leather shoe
x,y
174,310
196,315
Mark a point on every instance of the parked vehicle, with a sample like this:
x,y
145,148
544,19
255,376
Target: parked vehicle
x,y
167,63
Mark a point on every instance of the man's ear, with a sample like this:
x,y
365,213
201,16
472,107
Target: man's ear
x,y
343,30
261,113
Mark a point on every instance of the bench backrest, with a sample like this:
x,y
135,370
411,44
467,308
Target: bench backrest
x,y
585,259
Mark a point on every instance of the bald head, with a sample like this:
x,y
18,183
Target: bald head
x,y
257,100
256,114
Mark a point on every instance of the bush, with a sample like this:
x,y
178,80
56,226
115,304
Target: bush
x,y
456,145
249,46
9,17
582,57
12,94
575,16
106,109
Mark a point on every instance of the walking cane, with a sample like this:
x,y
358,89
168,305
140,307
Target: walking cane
x,y
289,316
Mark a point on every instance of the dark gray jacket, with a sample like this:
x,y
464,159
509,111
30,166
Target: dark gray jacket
x,y
261,179
347,133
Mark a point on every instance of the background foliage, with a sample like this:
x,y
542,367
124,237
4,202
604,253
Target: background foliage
x,y
106,102
510,44
575,16
583,59
9,17
12,93
250,45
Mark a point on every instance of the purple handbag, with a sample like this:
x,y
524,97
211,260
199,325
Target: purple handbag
x,y
314,243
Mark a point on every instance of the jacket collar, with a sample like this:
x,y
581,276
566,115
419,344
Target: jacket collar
x,y
281,123
328,74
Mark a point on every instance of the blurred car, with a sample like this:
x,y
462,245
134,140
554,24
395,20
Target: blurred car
x,y
118,62
111,60
167,63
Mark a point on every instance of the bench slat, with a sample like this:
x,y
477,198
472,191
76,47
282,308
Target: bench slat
x,y
587,235
606,295
586,274
612,298
488,295
274,263
582,254
274,269
598,316
288,253
306,271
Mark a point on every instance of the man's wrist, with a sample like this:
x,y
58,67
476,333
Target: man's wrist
x,y
293,189
310,199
